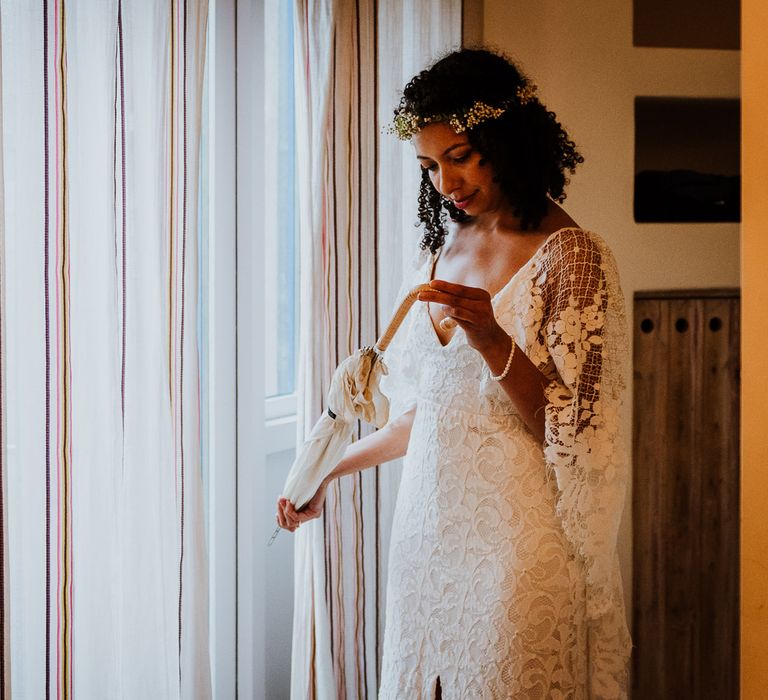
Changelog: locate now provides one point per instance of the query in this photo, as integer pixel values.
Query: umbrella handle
(277, 530)
(272, 539)
(383, 342)
(402, 311)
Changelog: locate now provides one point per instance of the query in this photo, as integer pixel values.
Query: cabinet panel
(685, 497)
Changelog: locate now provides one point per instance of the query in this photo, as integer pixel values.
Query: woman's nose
(450, 181)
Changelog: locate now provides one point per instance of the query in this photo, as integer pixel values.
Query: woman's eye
(429, 168)
(462, 158)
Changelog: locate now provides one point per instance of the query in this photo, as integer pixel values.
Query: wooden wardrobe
(686, 495)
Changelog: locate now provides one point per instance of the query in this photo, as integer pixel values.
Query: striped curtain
(343, 49)
(422, 30)
(101, 126)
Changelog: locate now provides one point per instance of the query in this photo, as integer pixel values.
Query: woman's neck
(503, 222)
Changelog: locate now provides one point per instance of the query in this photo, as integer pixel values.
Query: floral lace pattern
(503, 574)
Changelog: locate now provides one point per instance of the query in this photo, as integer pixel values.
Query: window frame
(238, 437)
(244, 427)
(220, 359)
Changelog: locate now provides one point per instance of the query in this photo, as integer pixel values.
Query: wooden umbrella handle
(405, 306)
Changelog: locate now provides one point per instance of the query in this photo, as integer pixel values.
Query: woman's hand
(472, 309)
(289, 518)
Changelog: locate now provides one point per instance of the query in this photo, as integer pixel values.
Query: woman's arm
(382, 446)
(524, 383)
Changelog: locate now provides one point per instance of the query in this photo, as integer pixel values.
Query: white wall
(580, 54)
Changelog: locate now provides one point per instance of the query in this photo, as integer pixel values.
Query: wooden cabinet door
(686, 496)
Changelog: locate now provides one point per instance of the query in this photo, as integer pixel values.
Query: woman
(503, 574)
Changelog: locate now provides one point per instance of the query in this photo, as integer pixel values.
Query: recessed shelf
(687, 24)
(687, 159)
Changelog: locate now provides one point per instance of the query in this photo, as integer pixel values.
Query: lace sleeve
(585, 332)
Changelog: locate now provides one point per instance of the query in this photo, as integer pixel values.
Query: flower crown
(406, 124)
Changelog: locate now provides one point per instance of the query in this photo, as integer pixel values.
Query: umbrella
(354, 393)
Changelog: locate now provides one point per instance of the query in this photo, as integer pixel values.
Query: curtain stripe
(181, 324)
(123, 223)
(64, 567)
(360, 626)
(358, 175)
(363, 173)
(46, 264)
(377, 598)
(171, 196)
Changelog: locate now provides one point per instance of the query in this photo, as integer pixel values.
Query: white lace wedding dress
(503, 575)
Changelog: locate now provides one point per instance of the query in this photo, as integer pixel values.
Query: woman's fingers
(289, 518)
(463, 310)
(459, 290)
(291, 515)
(469, 307)
(460, 314)
(437, 296)
(282, 521)
(459, 306)
(286, 515)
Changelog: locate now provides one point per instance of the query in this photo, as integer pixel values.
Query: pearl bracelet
(499, 377)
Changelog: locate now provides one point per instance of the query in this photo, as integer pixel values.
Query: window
(280, 221)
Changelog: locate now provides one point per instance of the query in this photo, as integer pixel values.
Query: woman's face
(457, 170)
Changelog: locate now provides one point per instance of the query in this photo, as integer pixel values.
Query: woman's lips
(463, 203)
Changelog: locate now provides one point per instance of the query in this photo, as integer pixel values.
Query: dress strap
(433, 265)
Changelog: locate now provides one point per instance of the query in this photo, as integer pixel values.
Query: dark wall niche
(687, 160)
(687, 24)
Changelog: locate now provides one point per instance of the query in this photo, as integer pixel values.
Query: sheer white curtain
(411, 36)
(101, 123)
(351, 58)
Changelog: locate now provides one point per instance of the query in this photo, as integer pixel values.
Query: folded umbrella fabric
(355, 393)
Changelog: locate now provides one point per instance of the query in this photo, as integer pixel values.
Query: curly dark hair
(527, 147)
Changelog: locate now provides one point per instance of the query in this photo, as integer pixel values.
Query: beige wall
(581, 56)
(754, 464)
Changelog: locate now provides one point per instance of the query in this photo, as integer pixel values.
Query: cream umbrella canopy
(355, 393)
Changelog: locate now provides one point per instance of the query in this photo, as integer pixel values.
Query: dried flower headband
(406, 123)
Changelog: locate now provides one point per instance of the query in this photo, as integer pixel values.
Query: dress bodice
(455, 375)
